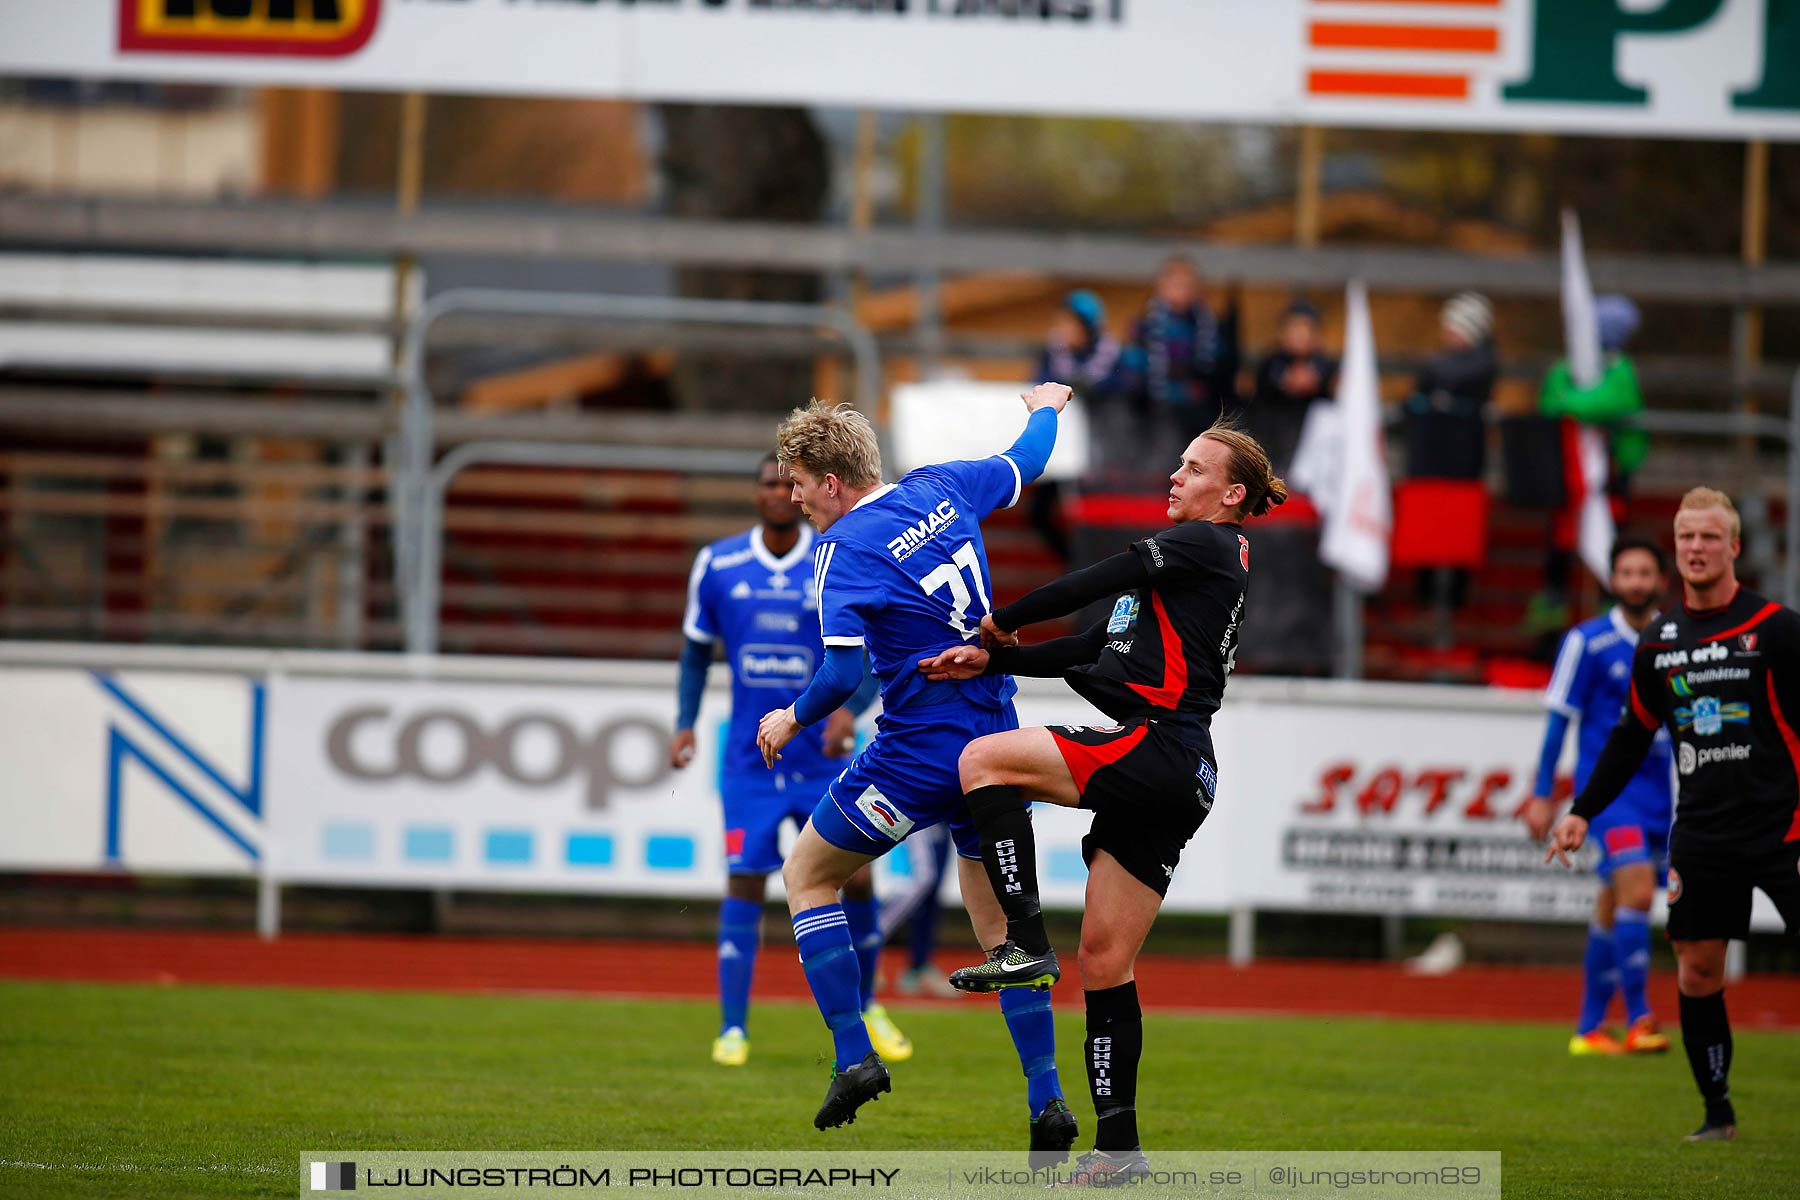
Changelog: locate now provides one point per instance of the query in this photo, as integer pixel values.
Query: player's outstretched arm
(1121, 573)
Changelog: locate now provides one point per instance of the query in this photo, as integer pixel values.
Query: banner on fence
(1706, 68)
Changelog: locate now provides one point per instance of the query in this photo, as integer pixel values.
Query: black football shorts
(1709, 895)
(1148, 790)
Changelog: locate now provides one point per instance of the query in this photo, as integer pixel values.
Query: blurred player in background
(902, 572)
(1592, 685)
(755, 593)
(1722, 675)
(1157, 665)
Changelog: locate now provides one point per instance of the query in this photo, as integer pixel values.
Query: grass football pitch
(109, 1090)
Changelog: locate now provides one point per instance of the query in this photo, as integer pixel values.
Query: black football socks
(1009, 852)
(1115, 1042)
(1706, 1036)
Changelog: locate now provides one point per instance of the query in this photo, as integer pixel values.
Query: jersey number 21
(950, 575)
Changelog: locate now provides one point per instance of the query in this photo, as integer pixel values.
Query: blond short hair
(831, 439)
(1248, 464)
(1705, 497)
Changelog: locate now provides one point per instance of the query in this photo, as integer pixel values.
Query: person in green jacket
(1609, 403)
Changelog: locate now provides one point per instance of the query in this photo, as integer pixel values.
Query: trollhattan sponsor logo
(277, 28)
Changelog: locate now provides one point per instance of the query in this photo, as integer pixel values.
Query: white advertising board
(472, 784)
(158, 772)
(1402, 801)
(537, 776)
(1698, 68)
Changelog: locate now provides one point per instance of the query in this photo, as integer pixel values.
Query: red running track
(645, 968)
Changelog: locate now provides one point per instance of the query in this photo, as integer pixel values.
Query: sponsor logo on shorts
(1119, 647)
(1674, 885)
(888, 820)
(1123, 614)
(1208, 776)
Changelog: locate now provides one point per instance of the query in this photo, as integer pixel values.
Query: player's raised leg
(813, 874)
(1001, 774)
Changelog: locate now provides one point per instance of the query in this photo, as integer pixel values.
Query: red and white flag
(1359, 509)
(1581, 333)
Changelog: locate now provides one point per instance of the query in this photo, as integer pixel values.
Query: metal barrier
(422, 634)
(415, 576)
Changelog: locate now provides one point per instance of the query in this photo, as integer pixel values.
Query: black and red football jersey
(1171, 643)
(1725, 682)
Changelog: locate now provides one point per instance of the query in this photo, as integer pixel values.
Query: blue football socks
(1599, 975)
(739, 922)
(829, 961)
(1631, 950)
(865, 934)
(1033, 1032)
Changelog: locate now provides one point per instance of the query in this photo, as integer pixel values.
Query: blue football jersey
(764, 610)
(1592, 685)
(905, 575)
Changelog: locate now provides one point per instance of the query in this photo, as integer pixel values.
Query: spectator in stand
(1446, 415)
(1289, 380)
(1608, 404)
(1182, 360)
(1080, 352)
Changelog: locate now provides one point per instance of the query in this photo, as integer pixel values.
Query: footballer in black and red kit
(1722, 674)
(1157, 666)
(1725, 682)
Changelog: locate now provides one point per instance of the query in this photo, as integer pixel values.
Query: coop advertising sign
(369, 770)
(1695, 68)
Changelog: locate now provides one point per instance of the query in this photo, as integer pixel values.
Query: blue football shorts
(906, 780)
(756, 803)
(1627, 840)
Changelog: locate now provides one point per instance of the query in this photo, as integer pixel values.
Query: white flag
(1581, 332)
(1359, 516)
